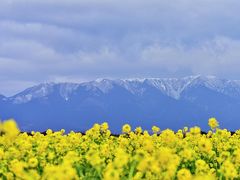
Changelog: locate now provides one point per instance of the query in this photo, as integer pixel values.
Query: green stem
(130, 176)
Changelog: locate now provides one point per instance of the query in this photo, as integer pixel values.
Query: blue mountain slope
(168, 103)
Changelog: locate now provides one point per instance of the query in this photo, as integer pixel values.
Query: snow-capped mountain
(167, 102)
(43, 91)
(172, 87)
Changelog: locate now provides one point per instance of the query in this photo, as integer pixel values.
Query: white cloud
(219, 56)
(45, 40)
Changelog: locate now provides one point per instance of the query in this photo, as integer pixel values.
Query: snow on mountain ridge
(37, 91)
(224, 86)
(43, 90)
(66, 89)
(172, 87)
(103, 84)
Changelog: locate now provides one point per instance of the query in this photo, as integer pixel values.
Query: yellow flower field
(135, 154)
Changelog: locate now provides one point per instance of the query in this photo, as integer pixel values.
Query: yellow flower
(137, 155)
(104, 126)
(145, 164)
(33, 162)
(1, 154)
(121, 158)
(49, 131)
(126, 128)
(228, 170)
(205, 145)
(111, 174)
(9, 128)
(155, 129)
(9, 175)
(195, 130)
(213, 123)
(184, 174)
(185, 129)
(138, 130)
(187, 154)
(93, 157)
(51, 156)
(138, 176)
(202, 167)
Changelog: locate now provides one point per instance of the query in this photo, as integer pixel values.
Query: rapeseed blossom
(184, 154)
(184, 174)
(126, 128)
(155, 129)
(212, 122)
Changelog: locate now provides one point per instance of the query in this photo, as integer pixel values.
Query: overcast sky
(80, 40)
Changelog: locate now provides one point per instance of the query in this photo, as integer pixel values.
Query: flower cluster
(135, 154)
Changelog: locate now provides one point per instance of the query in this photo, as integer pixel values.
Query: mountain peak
(37, 91)
(163, 101)
(43, 90)
(172, 87)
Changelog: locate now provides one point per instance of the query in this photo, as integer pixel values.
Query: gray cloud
(77, 40)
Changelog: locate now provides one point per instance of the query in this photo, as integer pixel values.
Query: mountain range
(165, 102)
